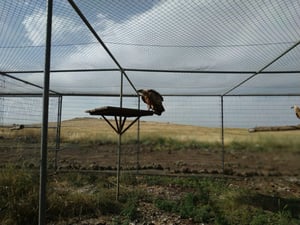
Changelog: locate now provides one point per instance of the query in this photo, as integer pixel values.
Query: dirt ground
(266, 172)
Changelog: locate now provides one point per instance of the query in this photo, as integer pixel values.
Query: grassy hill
(89, 130)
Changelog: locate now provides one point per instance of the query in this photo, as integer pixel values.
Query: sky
(198, 35)
(239, 112)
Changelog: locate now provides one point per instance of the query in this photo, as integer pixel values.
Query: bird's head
(294, 107)
(141, 92)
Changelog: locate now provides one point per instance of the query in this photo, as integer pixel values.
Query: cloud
(180, 35)
(173, 35)
(63, 27)
(84, 57)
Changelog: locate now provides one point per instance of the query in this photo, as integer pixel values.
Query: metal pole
(44, 134)
(119, 140)
(222, 134)
(121, 90)
(58, 129)
(138, 140)
(118, 166)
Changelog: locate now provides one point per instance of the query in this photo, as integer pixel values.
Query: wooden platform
(117, 111)
(120, 114)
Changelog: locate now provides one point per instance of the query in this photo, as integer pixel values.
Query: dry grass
(95, 131)
(89, 129)
(93, 128)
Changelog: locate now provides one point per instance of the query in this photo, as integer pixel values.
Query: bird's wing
(155, 94)
(297, 111)
(144, 99)
(156, 101)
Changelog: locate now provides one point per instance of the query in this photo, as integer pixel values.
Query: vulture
(153, 100)
(297, 110)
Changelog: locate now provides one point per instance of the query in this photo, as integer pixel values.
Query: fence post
(44, 134)
(222, 134)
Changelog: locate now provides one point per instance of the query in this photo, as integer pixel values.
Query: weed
(212, 201)
(130, 207)
(260, 218)
(18, 197)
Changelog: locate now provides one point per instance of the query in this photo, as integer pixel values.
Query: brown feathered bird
(153, 100)
(297, 110)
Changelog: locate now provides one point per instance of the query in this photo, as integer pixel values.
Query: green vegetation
(214, 202)
(74, 195)
(68, 196)
(19, 199)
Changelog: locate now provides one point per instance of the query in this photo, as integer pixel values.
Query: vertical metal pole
(119, 141)
(44, 134)
(138, 140)
(118, 166)
(121, 89)
(2, 110)
(222, 134)
(58, 129)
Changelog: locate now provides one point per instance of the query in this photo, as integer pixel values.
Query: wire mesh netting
(225, 69)
(222, 43)
(217, 63)
(192, 135)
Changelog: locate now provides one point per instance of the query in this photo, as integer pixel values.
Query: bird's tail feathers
(157, 113)
(159, 110)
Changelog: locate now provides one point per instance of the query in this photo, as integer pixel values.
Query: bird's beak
(292, 107)
(140, 92)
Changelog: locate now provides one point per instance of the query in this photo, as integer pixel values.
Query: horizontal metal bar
(133, 95)
(64, 71)
(187, 71)
(25, 82)
(26, 95)
(155, 71)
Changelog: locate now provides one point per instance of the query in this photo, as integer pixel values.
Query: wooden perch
(116, 111)
(274, 128)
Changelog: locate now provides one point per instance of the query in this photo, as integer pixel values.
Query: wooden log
(274, 128)
(17, 127)
(22, 126)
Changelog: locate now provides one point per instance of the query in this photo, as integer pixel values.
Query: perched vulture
(297, 110)
(153, 100)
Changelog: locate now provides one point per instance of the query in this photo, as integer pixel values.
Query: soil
(269, 173)
(266, 171)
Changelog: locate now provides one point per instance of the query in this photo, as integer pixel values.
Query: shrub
(166, 205)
